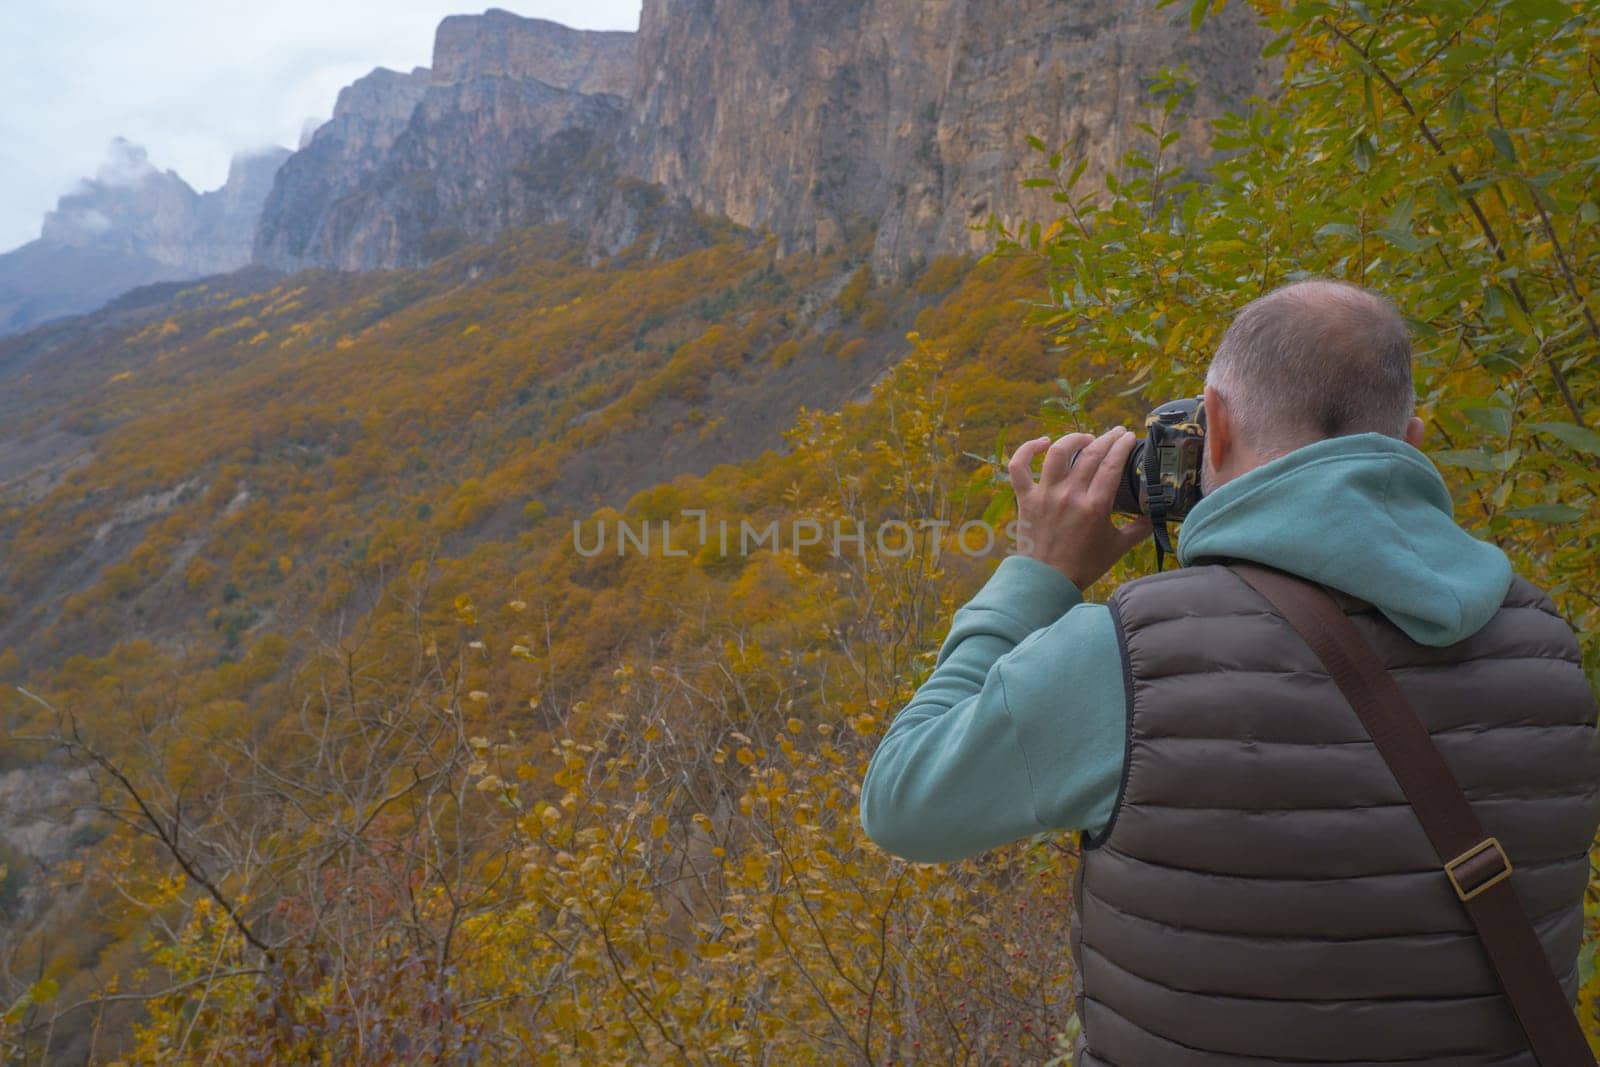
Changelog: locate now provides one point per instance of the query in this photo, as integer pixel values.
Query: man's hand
(1064, 519)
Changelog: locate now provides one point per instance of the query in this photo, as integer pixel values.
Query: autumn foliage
(387, 771)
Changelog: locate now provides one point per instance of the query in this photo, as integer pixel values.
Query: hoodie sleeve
(1020, 728)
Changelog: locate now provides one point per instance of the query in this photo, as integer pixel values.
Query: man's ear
(1413, 434)
(1219, 429)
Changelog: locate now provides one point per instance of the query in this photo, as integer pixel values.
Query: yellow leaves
(711, 950)
(720, 918)
(41, 992)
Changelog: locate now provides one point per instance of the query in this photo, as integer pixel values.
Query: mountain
(903, 120)
(367, 118)
(516, 124)
(478, 157)
(131, 225)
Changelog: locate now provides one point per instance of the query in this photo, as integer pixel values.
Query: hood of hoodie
(1365, 514)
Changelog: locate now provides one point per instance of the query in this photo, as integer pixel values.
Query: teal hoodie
(1020, 727)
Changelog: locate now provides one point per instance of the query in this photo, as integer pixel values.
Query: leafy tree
(1444, 152)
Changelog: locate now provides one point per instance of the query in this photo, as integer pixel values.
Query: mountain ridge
(899, 121)
(904, 120)
(131, 225)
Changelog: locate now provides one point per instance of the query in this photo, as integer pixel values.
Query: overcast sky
(195, 81)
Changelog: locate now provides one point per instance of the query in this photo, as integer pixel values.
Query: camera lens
(1129, 500)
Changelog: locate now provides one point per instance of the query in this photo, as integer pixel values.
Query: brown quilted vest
(1263, 893)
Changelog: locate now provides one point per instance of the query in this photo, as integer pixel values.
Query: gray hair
(1315, 359)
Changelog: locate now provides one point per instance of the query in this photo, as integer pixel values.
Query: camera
(1162, 476)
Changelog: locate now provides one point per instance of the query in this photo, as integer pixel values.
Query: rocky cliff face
(823, 120)
(478, 157)
(516, 124)
(130, 225)
(906, 118)
(342, 153)
(500, 44)
(225, 219)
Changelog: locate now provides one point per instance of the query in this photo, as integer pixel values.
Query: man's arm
(1020, 727)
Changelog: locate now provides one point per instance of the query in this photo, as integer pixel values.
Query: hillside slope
(225, 451)
(272, 469)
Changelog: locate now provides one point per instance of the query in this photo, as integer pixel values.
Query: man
(1254, 887)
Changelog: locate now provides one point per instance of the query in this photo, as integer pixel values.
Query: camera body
(1162, 476)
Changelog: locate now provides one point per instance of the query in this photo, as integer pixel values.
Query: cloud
(86, 220)
(126, 164)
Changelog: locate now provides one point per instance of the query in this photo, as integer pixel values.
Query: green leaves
(1443, 153)
(1490, 417)
(1540, 10)
(1502, 145)
(1547, 513)
(1478, 459)
(1577, 437)
(1362, 152)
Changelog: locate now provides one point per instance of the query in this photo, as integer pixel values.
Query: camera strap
(1156, 495)
(1476, 864)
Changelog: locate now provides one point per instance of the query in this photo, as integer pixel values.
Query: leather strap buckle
(1477, 868)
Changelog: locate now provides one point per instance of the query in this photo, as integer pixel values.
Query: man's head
(1311, 360)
